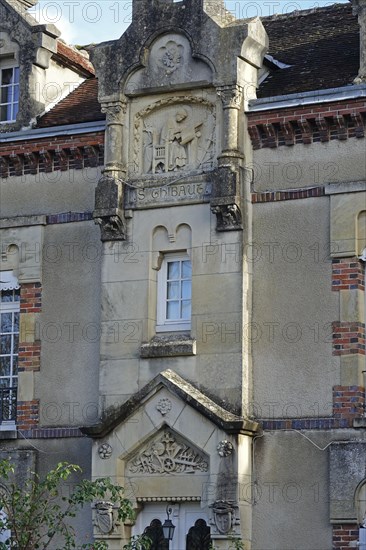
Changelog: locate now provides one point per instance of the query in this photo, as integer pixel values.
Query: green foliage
(38, 511)
(142, 542)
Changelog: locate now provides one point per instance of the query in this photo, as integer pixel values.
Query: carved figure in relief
(177, 147)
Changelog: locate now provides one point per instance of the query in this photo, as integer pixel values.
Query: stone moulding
(226, 420)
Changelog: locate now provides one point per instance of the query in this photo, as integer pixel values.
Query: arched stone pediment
(169, 62)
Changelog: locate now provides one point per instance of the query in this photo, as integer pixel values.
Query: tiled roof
(79, 106)
(71, 57)
(321, 45)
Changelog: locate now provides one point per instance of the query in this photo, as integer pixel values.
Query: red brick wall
(29, 357)
(348, 274)
(348, 402)
(343, 535)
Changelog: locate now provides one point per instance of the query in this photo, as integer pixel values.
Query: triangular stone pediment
(180, 389)
(166, 453)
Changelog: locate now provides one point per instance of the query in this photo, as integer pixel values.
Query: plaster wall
(69, 325)
(49, 86)
(290, 495)
(309, 165)
(48, 193)
(293, 310)
(129, 306)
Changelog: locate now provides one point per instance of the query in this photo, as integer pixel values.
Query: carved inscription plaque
(165, 195)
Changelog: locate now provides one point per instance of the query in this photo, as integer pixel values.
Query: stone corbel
(108, 213)
(225, 202)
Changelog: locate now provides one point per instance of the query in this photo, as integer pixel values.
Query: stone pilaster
(108, 213)
(115, 112)
(232, 98)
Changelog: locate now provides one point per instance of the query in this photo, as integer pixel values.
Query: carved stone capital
(231, 96)
(115, 111)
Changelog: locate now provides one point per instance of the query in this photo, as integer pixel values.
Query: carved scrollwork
(231, 96)
(166, 455)
(228, 217)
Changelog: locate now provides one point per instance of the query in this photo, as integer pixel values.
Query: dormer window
(9, 91)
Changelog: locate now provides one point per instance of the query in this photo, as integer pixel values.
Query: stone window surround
(165, 324)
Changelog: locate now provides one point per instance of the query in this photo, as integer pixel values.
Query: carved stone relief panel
(167, 454)
(169, 62)
(175, 135)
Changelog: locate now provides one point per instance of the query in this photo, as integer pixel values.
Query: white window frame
(165, 324)
(14, 99)
(9, 283)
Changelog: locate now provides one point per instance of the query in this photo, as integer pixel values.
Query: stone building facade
(183, 269)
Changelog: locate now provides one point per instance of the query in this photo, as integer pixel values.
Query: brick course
(348, 274)
(343, 534)
(349, 338)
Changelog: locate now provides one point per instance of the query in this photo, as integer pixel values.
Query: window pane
(16, 75)
(6, 93)
(17, 295)
(4, 112)
(5, 345)
(4, 382)
(173, 291)
(186, 290)
(15, 369)
(15, 343)
(4, 366)
(186, 309)
(172, 310)
(186, 270)
(16, 322)
(7, 296)
(6, 322)
(7, 76)
(173, 270)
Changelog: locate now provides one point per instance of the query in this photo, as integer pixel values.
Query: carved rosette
(105, 451)
(224, 518)
(228, 217)
(231, 96)
(167, 455)
(225, 448)
(164, 406)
